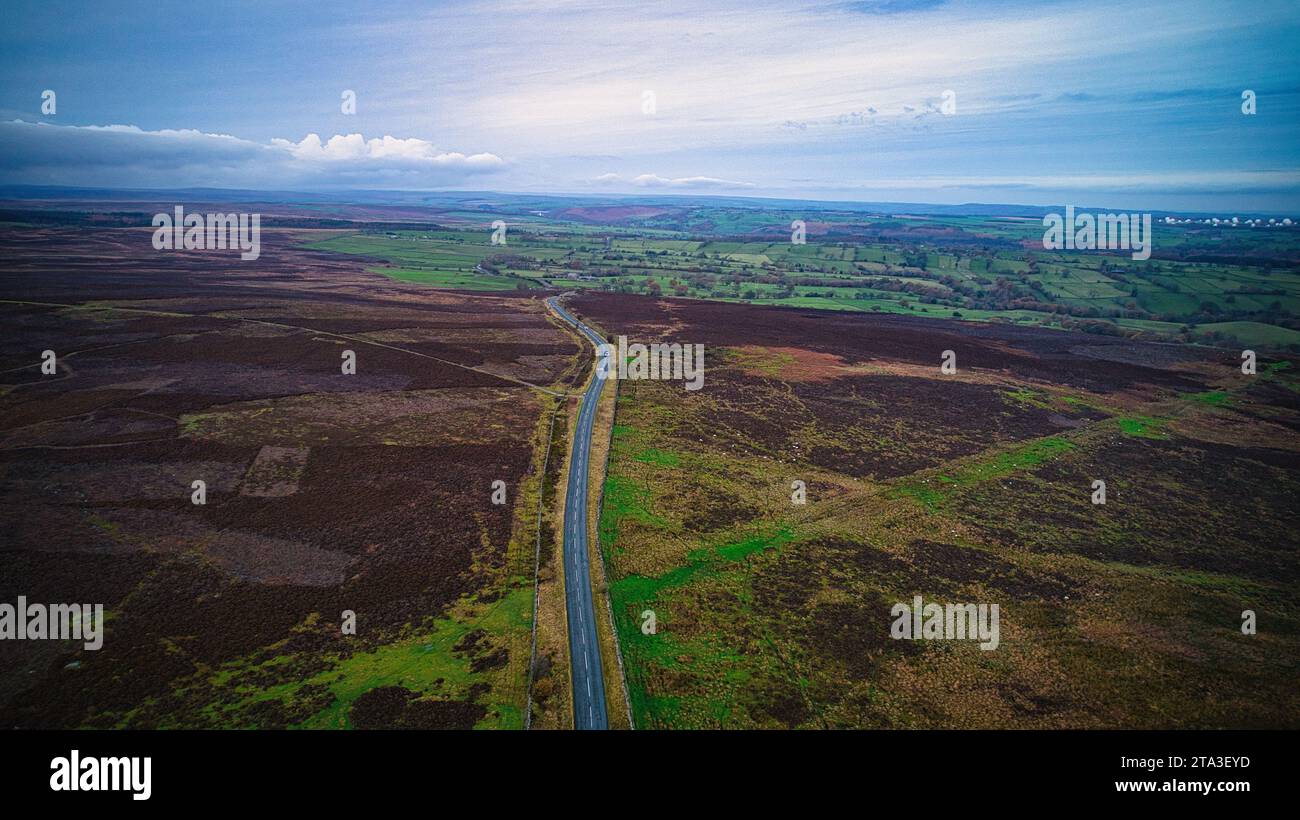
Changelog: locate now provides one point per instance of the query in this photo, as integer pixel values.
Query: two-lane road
(584, 648)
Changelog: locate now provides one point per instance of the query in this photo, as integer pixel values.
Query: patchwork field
(1205, 283)
(974, 487)
(325, 493)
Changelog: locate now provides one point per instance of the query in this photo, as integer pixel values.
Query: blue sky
(1118, 104)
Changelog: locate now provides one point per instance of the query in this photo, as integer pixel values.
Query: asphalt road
(584, 649)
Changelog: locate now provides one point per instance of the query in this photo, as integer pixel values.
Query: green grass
(1021, 457)
(1223, 303)
(753, 544)
(634, 594)
(453, 280)
(1030, 398)
(421, 660)
(1143, 426)
(625, 498)
(1213, 398)
(660, 457)
(1255, 333)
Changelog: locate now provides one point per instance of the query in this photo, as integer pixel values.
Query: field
(326, 493)
(827, 470)
(1211, 284)
(970, 487)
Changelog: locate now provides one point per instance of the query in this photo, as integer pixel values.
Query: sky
(1117, 104)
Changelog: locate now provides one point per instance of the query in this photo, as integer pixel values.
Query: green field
(964, 267)
(441, 260)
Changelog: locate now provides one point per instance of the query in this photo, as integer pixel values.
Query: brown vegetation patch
(405, 418)
(389, 516)
(790, 364)
(1022, 352)
(275, 472)
(395, 707)
(967, 566)
(1246, 502)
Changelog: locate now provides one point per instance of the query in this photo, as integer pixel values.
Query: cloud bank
(125, 155)
(656, 181)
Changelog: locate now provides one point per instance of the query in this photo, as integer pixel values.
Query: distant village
(1258, 222)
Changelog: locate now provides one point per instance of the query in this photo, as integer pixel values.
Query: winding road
(584, 647)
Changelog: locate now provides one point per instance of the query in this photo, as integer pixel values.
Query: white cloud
(356, 148)
(128, 156)
(656, 181)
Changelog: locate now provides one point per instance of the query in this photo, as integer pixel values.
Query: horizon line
(821, 204)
